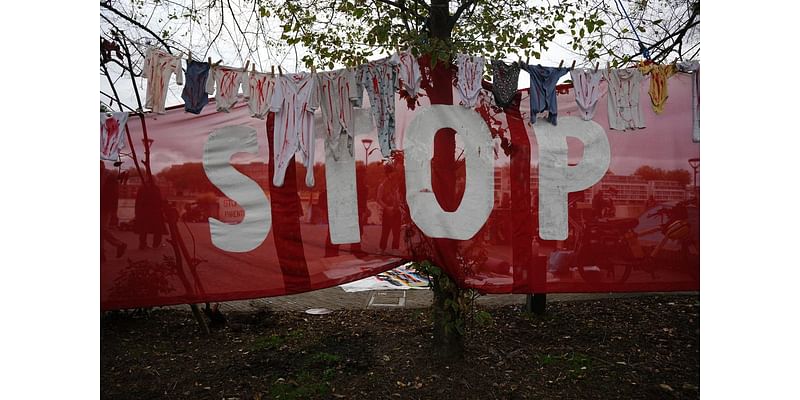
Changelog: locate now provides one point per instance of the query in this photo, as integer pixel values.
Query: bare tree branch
(107, 6)
(460, 10)
(221, 23)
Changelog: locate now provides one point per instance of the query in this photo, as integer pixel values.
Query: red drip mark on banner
(564, 88)
(524, 271)
(286, 212)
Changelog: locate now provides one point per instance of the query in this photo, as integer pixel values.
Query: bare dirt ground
(628, 348)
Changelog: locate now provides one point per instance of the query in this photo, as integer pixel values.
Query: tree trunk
(448, 342)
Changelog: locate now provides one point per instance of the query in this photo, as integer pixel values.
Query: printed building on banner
(631, 189)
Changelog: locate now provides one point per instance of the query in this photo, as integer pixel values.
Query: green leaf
(483, 318)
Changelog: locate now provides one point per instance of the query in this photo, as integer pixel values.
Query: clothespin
(527, 60)
(273, 70)
(216, 64)
(280, 70)
(596, 66)
(573, 65)
(246, 64)
(190, 55)
(209, 61)
(313, 69)
(253, 68)
(608, 64)
(561, 64)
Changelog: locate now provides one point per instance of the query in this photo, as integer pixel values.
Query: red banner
(503, 206)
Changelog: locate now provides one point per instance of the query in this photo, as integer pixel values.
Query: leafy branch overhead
(326, 33)
(348, 32)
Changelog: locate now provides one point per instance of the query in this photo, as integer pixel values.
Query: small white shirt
(293, 102)
(111, 138)
(158, 68)
(259, 88)
(624, 111)
(227, 81)
(470, 75)
(338, 91)
(409, 72)
(586, 83)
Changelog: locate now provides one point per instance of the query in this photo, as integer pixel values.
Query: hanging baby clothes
(260, 88)
(624, 111)
(293, 102)
(227, 80)
(338, 91)
(504, 82)
(158, 68)
(658, 83)
(693, 67)
(543, 90)
(409, 73)
(470, 75)
(194, 93)
(111, 127)
(379, 78)
(587, 91)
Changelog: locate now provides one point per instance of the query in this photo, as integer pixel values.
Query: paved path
(335, 298)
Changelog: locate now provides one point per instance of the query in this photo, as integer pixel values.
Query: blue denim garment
(194, 92)
(543, 90)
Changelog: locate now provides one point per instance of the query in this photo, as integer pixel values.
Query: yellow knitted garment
(658, 83)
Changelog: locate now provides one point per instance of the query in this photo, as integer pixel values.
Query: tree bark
(448, 342)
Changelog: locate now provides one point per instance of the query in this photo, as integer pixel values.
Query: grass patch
(275, 341)
(307, 385)
(546, 359)
(326, 358)
(267, 342)
(574, 361)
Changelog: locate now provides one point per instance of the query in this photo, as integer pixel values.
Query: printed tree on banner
(119, 43)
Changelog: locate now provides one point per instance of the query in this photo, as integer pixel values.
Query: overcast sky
(231, 49)
(653, 145)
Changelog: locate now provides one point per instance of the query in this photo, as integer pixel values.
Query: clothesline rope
(642, 49)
